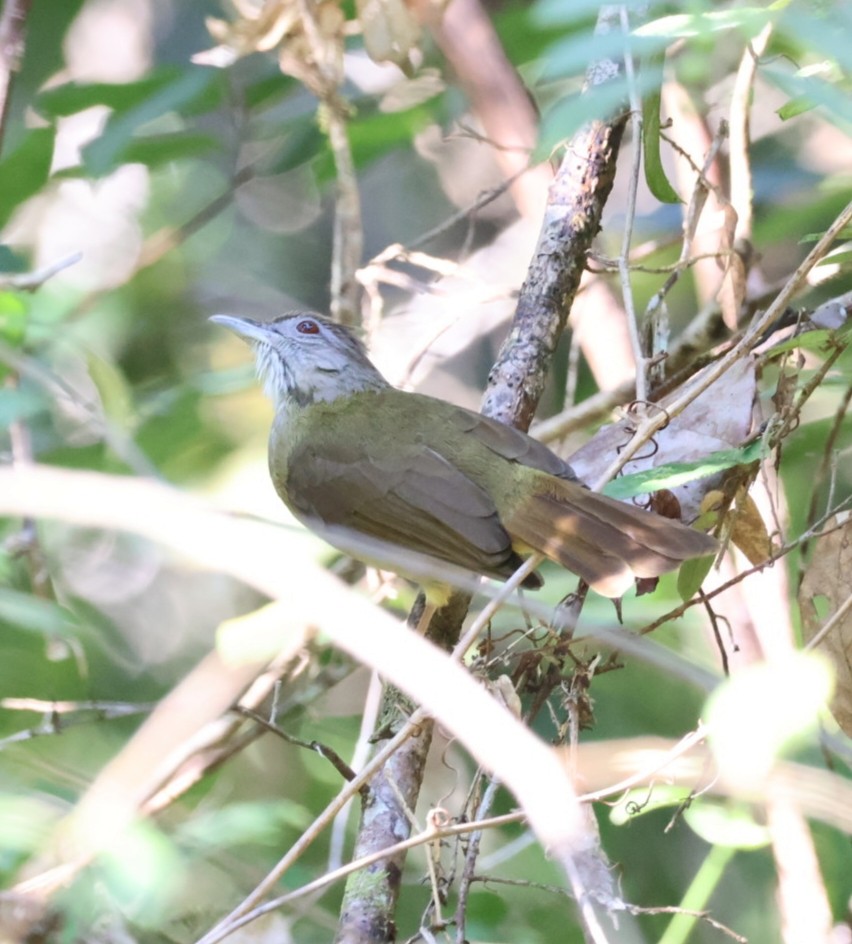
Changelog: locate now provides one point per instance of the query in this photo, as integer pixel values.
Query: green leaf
(726, 824)
(11, 262)
(154, 150)
(819, 340)
(24, 611)
(113, 390)
(25, 171)
(249, 822)
(672, 474)
(655, 176)
(836, 258)
(168, 84)
(691, 575)
(845, 233)
(833, 101)
(13, 318)
(268, 89)
(120, 137)
(303, 140)
(374, 135)
(794, 108)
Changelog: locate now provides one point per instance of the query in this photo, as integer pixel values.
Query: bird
(347, 450)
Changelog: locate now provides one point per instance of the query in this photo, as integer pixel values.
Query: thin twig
(468, 872)
(777, 555)
(692, 217)
(348, 245)
(751, 337)
(317, 747)
(838, 616)
(640, 351)
(30, 281)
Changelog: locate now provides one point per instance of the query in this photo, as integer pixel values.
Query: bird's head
(303, 358)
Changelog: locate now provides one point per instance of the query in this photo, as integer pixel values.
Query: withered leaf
(826, 581)
(748, 532)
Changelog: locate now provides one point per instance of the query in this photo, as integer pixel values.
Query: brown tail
(606, 542)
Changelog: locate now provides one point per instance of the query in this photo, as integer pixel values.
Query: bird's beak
(244, 327)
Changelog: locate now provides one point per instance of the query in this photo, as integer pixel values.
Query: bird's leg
(567, 611)
(424, 617)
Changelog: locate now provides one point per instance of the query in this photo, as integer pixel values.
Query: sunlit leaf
(676, 473)
(820, 341)
(794, 108)
(836, 258)
(14, 314)
(753, 719)
(726, 824)
(142, 870)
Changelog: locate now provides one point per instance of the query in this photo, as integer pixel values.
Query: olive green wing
(510, 443)
(414, 498)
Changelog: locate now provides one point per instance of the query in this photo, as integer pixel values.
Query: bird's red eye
(307, 327)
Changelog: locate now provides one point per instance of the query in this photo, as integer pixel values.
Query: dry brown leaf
(310, 38)
(733, 289)
(665, 503)
(410, 92)
(310, 45)
(255, 28)
(390, 31)
(748, 532)
(720, 418)
(827, 579)
(314, 54)
(504, 691)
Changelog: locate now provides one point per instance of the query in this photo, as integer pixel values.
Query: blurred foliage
(189, 190)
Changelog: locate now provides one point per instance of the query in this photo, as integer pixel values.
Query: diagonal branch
(13, 24)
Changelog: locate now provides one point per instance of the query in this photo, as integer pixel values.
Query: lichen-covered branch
(13, 23)
(576, 199)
